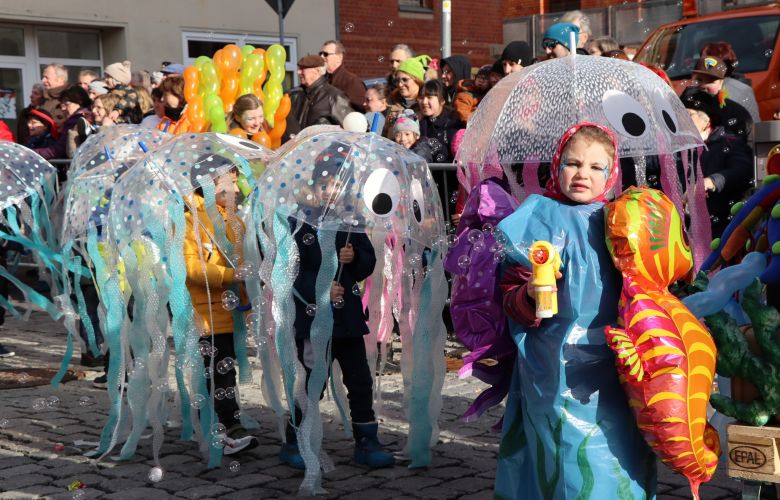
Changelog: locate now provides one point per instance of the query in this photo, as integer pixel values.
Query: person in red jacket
(5, 132)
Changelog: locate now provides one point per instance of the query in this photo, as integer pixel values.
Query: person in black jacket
(317, 102)
(727, 163)
(438, 121)
(356, 262)
(454, 69)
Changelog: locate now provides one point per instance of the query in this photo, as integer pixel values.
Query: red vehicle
(752, 33)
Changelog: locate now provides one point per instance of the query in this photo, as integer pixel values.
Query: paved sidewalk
(38, 458)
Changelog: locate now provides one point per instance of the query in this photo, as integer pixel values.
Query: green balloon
(247, 49)
(217, 118)
(211, 101)
(200, 61)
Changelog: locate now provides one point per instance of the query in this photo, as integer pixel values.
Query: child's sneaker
(233, 446)
(290, 455)
(241, 438)
(101, 382)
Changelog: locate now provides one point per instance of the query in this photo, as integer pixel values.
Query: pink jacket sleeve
(517, 304)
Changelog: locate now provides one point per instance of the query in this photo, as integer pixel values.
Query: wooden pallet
(754, 453)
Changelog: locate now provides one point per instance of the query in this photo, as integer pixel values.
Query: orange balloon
(191, 82)
(238, 131)
(280, 121)
(229, 91)
(262, 138)
(218, 59)
(232, 58)
(195, 109)
(199, 125)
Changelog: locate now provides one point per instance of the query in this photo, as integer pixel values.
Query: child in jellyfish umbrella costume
(567, 420)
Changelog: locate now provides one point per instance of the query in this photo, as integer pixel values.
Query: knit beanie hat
(560, 33)
(407, 122)
(119, 71)
(518, 52)
(98, 87)
(415, 66)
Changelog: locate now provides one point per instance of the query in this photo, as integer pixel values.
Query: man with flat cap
(317, 102)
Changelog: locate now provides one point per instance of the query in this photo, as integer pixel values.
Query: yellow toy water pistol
(546, 265)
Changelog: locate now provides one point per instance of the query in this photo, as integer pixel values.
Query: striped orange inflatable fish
(665, 356)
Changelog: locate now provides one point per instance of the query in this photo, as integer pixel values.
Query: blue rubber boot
(289, 453)
(368, 449)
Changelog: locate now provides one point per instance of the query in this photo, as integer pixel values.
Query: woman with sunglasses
(410, 77)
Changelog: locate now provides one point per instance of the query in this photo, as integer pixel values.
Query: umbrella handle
(341, 266)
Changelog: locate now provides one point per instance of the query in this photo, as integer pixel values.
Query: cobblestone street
(40, 455)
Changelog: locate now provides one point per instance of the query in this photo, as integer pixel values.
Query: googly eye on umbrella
(172, 243)
(327, 189)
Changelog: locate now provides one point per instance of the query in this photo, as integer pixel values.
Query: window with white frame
(26, 49)
(197, 44)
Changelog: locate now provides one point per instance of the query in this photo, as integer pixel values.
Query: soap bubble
(155, 474)
(235, 466)
(464, 261)
(499, 257)
(78, 494)
(229, 300)
(380, 59)
(464, 42)
(24, 377)
(3, 423)
(39, 404)
(356, 290)
(237, 415)
(501, 238)
(768, 53)
(218, 428)
(252, 321)
(488, 228)
(496, 247)
(478, 246)
(208, 371)
(349, 27)
(219, 394)
(338, 303)
(218, 441)
(475, 235)
(198, 401)
(225, 365)
(230, 393)
(244, 270)
(311, 310)
(84, 401)
(58, 447)
(52, 402)
(452, 240)
(308, 239)
(390, 23)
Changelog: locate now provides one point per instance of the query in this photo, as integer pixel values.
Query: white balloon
(355, 122)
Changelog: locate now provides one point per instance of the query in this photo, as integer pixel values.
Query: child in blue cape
(568, 430)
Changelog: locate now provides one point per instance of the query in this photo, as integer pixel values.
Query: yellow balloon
(275, 57)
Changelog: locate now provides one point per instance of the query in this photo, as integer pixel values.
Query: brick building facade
(369, 30)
